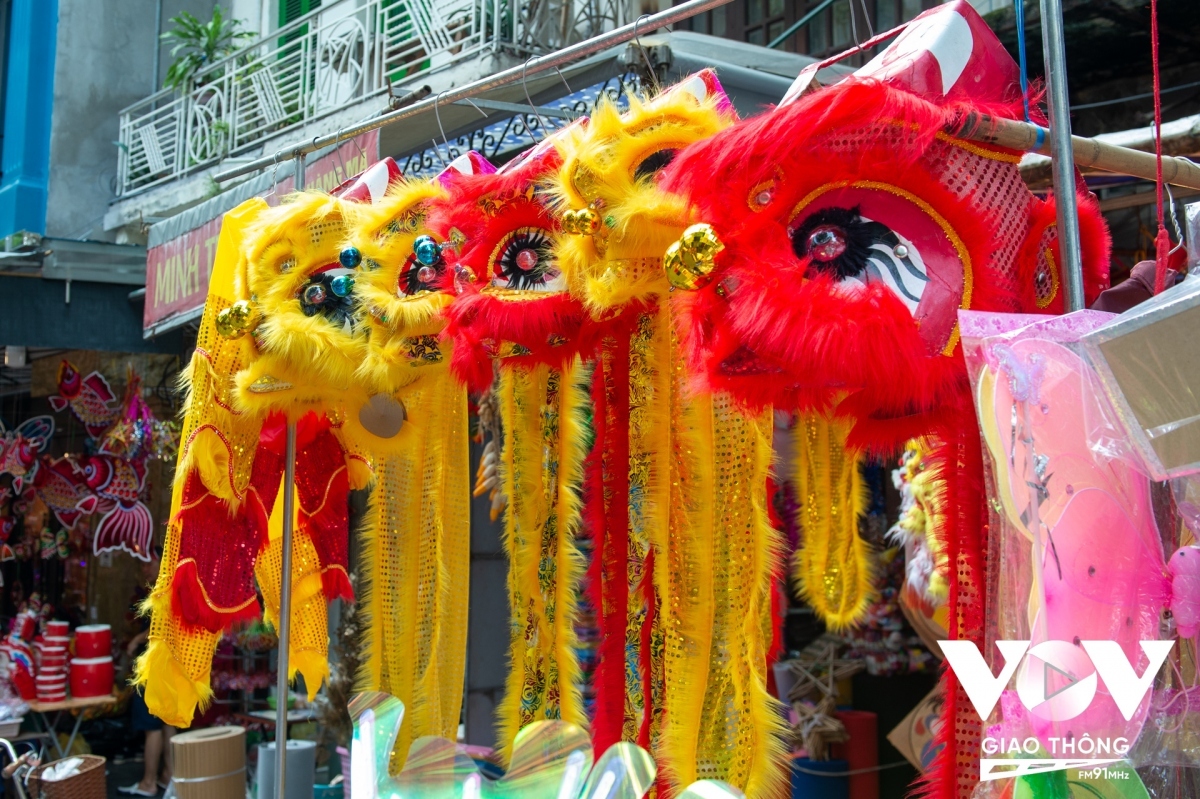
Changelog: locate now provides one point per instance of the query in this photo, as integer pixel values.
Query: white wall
(259, 16)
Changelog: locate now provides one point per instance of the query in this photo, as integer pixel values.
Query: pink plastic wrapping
(1077, 547)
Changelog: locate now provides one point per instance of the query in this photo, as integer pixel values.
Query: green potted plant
(199, 44)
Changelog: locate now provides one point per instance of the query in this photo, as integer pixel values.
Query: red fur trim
(1095, 247)
(1096, 244)
(335, 584)
(484, 210)
(475, 319)
(957, 458)
(1042, 217)
(612, 400)
(191, 604)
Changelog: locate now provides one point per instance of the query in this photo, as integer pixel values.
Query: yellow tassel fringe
(542, 463)
(833, 565)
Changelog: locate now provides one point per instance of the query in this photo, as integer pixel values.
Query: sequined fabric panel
(416, 565)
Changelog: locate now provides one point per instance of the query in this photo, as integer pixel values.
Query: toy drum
(58, 629)
(52, 654)
(93, 641)
(51, 687)
(91, 676)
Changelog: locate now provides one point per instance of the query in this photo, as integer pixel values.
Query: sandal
(136, 790)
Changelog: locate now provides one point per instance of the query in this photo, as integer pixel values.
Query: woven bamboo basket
(89, 783)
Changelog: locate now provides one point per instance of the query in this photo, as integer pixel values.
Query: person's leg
(153, 751)
(143, 721)
(168, 768)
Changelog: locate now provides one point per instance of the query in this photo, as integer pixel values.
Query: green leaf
(198, 44)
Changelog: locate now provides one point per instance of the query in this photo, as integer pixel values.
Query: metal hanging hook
(528, 99)
(867, 18)
(645, 55)
(344, 173)
(564, 80)
(437, 112)
(274, 174)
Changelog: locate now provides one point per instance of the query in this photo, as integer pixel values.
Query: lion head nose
(690, 261)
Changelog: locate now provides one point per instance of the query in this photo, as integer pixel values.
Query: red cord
(1162, 241)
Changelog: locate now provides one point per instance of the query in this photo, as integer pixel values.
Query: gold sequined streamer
(416, 564)
(542, 463)
(716, 581)
(833, 566)
(649, 459)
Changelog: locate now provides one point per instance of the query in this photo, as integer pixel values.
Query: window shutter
(293, 9)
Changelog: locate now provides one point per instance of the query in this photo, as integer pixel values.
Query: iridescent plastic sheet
(550, 760)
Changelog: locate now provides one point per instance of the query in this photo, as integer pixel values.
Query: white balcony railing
(327, 60)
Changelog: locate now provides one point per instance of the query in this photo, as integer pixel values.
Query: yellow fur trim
(833, 564)
(384, 234)
(542, 463)
(639, 221)
(924, 517)
(170, 692)
(415, 567)
(310, 353)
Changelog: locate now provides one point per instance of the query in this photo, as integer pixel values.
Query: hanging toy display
(20, 449)
(61, 483)
(519, 321)
(416, 538)
(126, 523)
(89, 398)
(865, 225)
(686, 576)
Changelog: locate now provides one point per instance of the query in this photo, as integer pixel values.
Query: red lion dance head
(853, 224)
(837, 237)
(505, 231)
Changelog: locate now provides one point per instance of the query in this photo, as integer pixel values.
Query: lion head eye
(848, 246)
(654, 163)
(525, 260)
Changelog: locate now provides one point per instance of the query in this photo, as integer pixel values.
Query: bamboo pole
(1089, 153)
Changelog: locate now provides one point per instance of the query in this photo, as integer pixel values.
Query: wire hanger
(528, 99)
(645, 55)
(274, 175)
